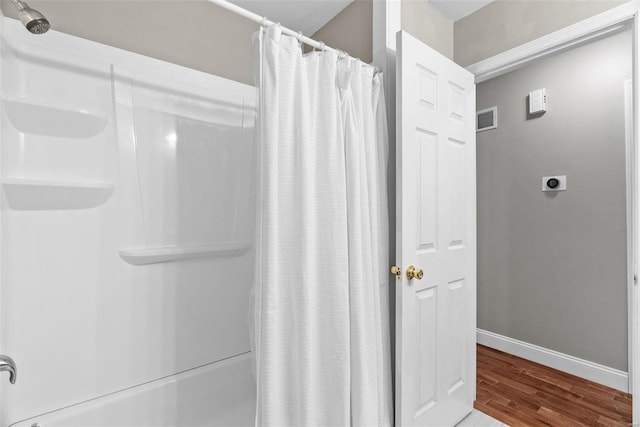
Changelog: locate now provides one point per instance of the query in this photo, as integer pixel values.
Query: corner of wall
(351, 30)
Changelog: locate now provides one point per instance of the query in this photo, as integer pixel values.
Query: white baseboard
(591, 371)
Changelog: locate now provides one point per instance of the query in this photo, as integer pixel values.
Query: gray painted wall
(585, 295)
(200, 35)
(351, 30)
(552, 266)
(192, 33)
(428, 24)
(505, 24)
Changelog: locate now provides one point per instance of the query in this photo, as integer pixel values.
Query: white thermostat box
(538, 101)
(554, 183)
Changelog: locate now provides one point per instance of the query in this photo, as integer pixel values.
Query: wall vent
(487, 119)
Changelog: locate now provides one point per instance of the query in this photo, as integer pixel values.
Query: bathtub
(219, 394)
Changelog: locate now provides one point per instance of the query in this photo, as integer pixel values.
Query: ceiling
(307, 16)
(458, 9)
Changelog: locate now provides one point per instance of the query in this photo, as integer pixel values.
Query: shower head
(35, 22)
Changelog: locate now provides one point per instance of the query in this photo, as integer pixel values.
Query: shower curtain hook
(322, 46)
(299, 37)
(263, 22)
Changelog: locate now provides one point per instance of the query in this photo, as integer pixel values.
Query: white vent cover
(487, 119)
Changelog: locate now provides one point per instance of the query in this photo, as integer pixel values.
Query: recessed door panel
(427, 320)
(428, 213)
(456, 194)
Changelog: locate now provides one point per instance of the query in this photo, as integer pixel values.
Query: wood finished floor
(523, 393)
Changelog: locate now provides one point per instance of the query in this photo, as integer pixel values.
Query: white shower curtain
(322, 345)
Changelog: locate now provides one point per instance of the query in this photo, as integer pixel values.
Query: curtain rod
(265, 22)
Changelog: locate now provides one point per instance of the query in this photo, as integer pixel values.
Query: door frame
(616, 19)
(387, 22)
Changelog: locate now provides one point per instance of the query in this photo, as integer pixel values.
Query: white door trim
(627, 14)
(386, 23)
(634, 312)
(632, 207)
(581, 32)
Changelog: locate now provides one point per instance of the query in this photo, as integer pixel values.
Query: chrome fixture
(7, 364)
(35, 22)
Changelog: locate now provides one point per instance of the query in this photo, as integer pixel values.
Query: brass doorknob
(414, 273)
(396, 271)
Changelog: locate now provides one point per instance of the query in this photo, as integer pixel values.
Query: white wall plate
(548, 183)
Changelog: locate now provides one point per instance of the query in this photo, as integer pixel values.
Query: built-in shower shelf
(40, 119)
(40, 194)
(158, 254)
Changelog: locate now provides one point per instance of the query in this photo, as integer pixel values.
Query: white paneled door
(436, 235)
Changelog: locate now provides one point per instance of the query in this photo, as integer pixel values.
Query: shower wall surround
(126, 231)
